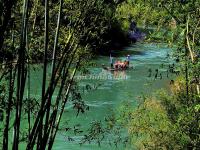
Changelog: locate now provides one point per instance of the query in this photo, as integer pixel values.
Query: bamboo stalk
(188, 41)
(52, 138)
(28, 84)
(189, 47)
(21, 77)
(49, 93)
(46, 42)
(34, 21)
(56, 38)
(8, 110)
(54, 113)
(42, 110)
(53, 69)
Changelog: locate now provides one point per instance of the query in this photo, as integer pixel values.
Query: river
(115, 88)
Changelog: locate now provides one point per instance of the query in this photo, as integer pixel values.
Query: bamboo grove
(59, 34)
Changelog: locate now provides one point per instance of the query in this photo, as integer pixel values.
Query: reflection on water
(120, 74)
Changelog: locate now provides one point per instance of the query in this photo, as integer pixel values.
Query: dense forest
(63, 37)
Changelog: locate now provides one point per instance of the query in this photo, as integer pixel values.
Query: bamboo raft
(117, 69)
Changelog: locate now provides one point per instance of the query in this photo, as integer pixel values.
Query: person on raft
(111, 61)
(128, 59)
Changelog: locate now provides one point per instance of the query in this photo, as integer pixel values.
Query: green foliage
(90, 21)
(153, 129)
(165, 121)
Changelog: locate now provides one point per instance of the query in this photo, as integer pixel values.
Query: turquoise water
(113, 89)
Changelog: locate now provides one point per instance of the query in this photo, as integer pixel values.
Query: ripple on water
(99, 104)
